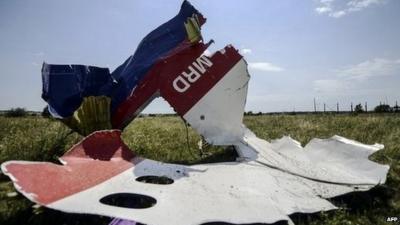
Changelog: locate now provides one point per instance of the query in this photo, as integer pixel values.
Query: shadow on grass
(227, 155)
(366, 204)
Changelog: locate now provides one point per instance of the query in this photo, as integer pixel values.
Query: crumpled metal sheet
(335, 160)
(218, 116)
(101, 176)
(66, 86)
(336, 165)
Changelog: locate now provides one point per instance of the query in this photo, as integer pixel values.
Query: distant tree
(46, 112)
(249, 113)
(396, 108)
(382, 108)
(358, 108)
(16, 112)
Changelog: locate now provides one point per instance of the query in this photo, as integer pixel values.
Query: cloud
(358, 78)
(338, 14)
(246, 51)
(265, 66)
(357, 5)
(371, 68)
(323, 9)
(334, 9)
(330, 86)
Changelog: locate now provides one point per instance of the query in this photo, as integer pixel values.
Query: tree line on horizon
(22, 112)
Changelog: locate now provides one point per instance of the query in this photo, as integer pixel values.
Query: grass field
(165, 139)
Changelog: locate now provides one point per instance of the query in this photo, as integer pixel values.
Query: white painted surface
(336, 160)
(228, 192)
(218, 115)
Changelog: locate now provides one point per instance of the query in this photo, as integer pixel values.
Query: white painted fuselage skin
(218, 115)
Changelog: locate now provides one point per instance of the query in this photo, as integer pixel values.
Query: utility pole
(351, 106)
(366, 107)
(315, 106)
(337, 107)
(324, 108)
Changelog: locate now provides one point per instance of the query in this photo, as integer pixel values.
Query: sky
(336, 51)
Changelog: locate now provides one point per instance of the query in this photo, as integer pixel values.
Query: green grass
(166, 139)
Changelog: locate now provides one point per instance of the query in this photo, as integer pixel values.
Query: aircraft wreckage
(101, 175)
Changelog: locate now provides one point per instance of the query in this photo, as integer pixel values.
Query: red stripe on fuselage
(150, 84)
(161, 77)
(96, 159)
(182, 102)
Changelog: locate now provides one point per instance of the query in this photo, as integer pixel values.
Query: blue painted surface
(65, 86)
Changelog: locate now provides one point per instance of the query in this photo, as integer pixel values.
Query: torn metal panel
(164, 77)
(138, 189)
(66, 86)
(231, 192)
(185, 78)
(96, 159)
(218, 115)
(334, 160)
